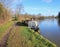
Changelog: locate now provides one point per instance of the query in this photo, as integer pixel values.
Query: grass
(22, 36)
(33, 39)
(3, 28)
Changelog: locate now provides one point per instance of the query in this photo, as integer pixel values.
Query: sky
(44, 7)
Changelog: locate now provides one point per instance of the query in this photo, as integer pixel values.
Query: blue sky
(45, 7)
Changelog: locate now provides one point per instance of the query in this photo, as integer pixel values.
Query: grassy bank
(22, 36)
(3, 28)
(33, 39)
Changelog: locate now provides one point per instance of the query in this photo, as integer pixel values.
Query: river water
(50, 29)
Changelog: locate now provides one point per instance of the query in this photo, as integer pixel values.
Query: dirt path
(3, 42)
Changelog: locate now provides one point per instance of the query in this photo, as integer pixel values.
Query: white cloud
(17, 0)
(47, 1)
(32, 8)
(48, 10)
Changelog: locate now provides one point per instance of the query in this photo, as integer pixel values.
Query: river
(50, 29)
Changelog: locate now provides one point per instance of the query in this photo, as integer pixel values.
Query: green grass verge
(4, 28)
(22, 36)
(33, 39)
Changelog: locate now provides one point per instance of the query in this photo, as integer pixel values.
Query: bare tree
(19, 10)
(4, 13)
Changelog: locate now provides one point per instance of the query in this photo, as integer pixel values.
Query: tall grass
(3, 28)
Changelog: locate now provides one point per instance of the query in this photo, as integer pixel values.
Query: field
(22, 36)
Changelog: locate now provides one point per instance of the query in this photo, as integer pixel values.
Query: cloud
(48, 10)
(47, 1)
(17, 1)
(6, 2)
(32, 8)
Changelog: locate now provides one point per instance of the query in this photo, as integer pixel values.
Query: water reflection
(59, 22)
(50, 28)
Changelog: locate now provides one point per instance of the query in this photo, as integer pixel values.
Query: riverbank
(22, 36)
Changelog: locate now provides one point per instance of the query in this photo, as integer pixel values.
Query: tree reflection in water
(59, 21)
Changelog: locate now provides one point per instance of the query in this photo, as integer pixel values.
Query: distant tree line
(59, 15)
